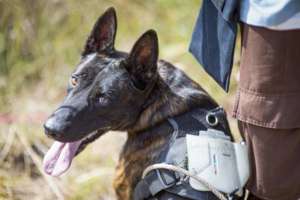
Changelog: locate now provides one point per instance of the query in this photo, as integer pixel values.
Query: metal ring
(212, 119)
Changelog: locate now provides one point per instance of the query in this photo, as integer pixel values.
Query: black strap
(155, 182)
(142, 191)
(194, 121)
(186, 191)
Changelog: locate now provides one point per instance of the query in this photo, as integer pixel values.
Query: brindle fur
(127, 92)
(175, 93)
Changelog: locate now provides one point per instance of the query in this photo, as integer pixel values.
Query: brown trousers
(268, 110)
(275, 161)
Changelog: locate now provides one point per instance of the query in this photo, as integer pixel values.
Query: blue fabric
(268, 13)
(213, 39)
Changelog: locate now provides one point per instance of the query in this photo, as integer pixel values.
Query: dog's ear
(142, 60)
(103, 35)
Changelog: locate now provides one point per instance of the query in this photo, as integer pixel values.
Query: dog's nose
(58, 123)
(52, 129)
(50, 133)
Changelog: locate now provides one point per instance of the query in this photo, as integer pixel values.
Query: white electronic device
(217, 160)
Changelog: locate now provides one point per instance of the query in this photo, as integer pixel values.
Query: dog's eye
(74, 81)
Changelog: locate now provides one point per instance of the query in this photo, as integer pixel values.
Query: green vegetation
(40, 44)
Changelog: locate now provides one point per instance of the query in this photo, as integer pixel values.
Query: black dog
(113, 90)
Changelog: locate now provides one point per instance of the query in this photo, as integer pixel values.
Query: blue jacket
(214, 36)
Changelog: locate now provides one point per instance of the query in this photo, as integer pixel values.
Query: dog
(113, 90)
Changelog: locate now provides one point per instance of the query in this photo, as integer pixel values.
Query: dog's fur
(133, 92)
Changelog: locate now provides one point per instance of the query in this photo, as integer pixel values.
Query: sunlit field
(40, 44)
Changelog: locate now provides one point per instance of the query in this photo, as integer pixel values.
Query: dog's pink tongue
(59, 157)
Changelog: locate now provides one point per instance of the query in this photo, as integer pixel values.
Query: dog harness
(200, 163)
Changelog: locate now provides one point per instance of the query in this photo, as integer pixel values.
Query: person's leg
(274, 162)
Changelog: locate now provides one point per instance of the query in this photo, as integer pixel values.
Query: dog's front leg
(121, 183)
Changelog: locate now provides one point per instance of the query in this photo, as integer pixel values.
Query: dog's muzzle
(58, 123)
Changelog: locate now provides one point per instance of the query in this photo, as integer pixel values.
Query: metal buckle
(212, 119)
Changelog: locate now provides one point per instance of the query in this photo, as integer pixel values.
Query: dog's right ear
(103, 35)
(142, 60)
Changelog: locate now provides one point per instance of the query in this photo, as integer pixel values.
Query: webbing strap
(153, 183)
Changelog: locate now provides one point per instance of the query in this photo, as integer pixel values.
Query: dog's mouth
(59, 157)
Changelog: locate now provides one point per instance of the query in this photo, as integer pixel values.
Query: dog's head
(107, 91)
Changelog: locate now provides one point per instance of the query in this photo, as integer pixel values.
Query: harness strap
(197, 120)
(161, 166)
(154, 182)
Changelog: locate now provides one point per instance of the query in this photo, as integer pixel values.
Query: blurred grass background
(40, 44)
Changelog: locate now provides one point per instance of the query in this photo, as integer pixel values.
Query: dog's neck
(141, 149)
(173, 94)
